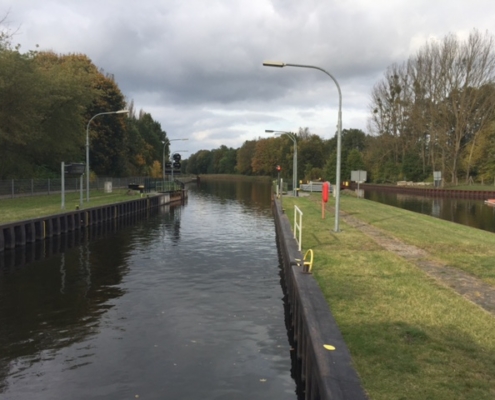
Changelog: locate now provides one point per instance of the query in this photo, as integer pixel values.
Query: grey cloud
(196, 65)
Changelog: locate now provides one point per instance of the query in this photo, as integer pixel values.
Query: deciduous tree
(436, 104)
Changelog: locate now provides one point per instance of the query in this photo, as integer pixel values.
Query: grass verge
(234, 177)
(409, 337)
(476, 186)
(471, 250)
(473, 187)
(23, 208)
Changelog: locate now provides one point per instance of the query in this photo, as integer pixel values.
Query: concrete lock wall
(325, 374)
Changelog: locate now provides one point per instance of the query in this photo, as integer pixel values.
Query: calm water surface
(470, 212)
(185, 304)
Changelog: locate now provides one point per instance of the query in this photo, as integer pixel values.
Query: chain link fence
(13, 188)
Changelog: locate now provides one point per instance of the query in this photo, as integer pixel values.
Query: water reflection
(53, 293)
(470, 212)
(254, 196)
(185, 304)
(11, 259)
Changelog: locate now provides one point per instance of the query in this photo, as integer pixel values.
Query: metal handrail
(298, 225)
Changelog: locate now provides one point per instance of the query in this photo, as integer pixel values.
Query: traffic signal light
(278, 168)
(176, 163)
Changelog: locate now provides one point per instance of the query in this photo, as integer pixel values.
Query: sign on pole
(74, 169)
(437, 178)
(359, 177)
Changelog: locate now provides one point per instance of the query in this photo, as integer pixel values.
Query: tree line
(436, 112)
(259, 157)
(433, 112)
(46, 101)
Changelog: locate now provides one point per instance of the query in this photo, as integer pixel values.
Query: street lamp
(163, 159)
(87, 145)
(339, 130)
(165, 142)
(292, 136)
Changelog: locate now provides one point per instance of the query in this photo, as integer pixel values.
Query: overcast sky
(196, 65)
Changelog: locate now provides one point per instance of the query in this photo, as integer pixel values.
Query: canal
(470, 212)
(183, 304)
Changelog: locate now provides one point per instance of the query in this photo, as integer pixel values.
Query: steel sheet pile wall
(22, 232)
(325, 374)
(43, 249)
(430, 192)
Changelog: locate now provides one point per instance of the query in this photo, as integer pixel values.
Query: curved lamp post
(165, 142)
(292, 136)
(87, 145)
(339, 130)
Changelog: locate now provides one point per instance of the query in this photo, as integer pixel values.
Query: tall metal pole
(163, 161)
(294, 163)
(165, 142)
(62, 181)
(339, 130)
(87, 145)
(292, 136)
(173, 174)
(81, 183)
(295, 166)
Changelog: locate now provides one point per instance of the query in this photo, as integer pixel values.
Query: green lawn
(410, 337)
(473, 187)
(23, 208)
(471, 250)
(477, 186)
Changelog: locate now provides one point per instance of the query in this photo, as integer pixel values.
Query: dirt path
(464, 284)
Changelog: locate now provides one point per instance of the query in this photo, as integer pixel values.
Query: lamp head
(273, 64)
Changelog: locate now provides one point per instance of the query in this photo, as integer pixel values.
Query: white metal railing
(298, 225)
(311, 186)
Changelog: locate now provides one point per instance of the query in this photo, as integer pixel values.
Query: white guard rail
(298, 225)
